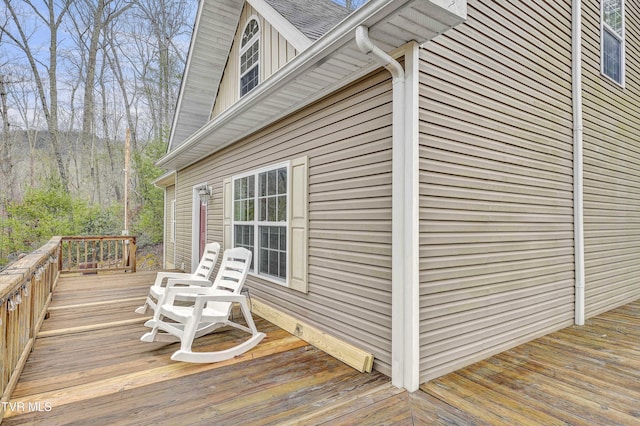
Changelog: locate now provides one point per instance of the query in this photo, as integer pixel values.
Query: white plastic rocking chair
(211, 310)
(199, 278)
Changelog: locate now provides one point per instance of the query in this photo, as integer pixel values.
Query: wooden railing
(25, 292)
(26, 287)
(97, 254)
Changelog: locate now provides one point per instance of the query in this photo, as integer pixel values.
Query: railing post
(134, 254)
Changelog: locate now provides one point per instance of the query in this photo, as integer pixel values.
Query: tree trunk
(49, 108)
(6, 163)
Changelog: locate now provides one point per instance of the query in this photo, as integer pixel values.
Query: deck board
(91, 368)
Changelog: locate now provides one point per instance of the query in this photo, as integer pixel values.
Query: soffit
(328, 63)
(214, 30)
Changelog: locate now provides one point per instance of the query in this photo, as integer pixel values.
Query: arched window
(249, 57)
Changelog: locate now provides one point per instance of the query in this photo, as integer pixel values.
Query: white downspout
(578, 176)
(398, 189)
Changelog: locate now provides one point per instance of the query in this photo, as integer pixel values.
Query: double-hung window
(260, 205)
(266, 211)
(612, 43)
(249, 57)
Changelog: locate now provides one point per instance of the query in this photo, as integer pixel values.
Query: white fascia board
(369, 15)
(322, 47)
(293, 35)
(458, 8)
(165, 180)
(194, 69)
(176, 112)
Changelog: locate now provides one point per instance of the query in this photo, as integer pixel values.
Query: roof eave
(269, 101)
(167, 179)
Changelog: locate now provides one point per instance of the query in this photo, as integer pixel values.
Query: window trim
(604, 27)
(257, 223)
(252, 41)
(172, 222)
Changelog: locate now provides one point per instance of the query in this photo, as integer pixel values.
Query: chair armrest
(201, 282)
(172, 292)
(221, 296)
(160, 276)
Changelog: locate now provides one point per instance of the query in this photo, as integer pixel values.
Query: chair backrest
(208, 261)
(233, 270)
(232, 274)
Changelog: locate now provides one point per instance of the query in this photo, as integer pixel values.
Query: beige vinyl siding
(169, 243)
(275, 51)
(347, 138)
(611, 169)
(496, 210)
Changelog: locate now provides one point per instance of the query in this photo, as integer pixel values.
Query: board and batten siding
(275, 51)
(347, 138)
(496, 164)
(611, 169)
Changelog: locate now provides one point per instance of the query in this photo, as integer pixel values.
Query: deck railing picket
(94, 254)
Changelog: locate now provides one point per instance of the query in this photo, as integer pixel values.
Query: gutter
(165, 180)
(369, 14)
(578, 165)
(404, 300)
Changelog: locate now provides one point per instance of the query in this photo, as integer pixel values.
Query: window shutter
(298, 225)
(226, 213)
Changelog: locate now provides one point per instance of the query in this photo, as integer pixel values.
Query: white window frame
(257, 223)
(605, 28)
(251, 42)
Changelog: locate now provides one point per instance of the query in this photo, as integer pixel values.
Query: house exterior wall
(275, 51)
(496, 209)
(169, 243)
(611, 169)
(347, 138)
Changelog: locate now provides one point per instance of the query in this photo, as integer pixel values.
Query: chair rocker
(210, 311)
(199, 278)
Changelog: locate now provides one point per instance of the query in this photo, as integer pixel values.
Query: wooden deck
(89, 367)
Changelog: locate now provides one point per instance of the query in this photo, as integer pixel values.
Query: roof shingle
(312, 17)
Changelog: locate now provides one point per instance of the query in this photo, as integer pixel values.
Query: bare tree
(96, 67)
(16, 31)
(166, 20)
(112, 56)
(99, 14)
(6, 162)
(23, 98)
(90, 19)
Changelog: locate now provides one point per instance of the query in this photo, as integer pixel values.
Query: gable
(327, 64)
(210, 44)
(275, 51)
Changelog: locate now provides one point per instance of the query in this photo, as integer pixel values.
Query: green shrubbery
(50, 210)
(147, 218)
